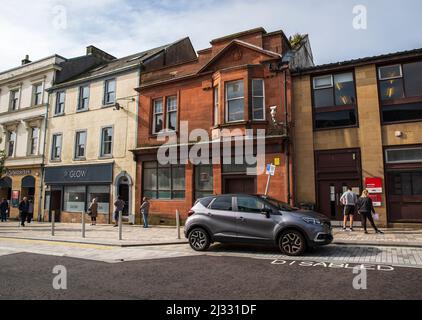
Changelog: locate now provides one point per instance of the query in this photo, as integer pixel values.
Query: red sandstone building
(232, 85)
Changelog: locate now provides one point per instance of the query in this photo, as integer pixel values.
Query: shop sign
(376, 199)
(101, 173)
(19, 172)
(374, 185)
(15, 198)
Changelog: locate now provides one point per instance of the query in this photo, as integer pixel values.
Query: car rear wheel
(199, 239)
(292, 243)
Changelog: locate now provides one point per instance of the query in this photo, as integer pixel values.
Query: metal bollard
(120, 226)
(53, 222)
(83, 224)
(178, 223)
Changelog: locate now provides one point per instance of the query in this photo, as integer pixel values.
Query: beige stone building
(92, 125)
(359, 123)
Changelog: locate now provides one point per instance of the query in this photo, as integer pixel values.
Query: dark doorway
(335, 171)
(124, 194)
(244, 185)
(55, 205)
(28, 187)
(6, 188)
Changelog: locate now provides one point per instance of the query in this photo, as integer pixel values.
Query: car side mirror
(266, 212)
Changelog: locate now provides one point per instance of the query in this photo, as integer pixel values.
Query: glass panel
(249, 204)
(172, 120)
(323, 98)
(159, 123)
(234, 90)
(417, 183)
(204, 178)
(150, 179)
(323, 82)
(404, 155)
(107, 137)
(413, 79)
(150, 164)
(389, 72)
(171, 104)
(158, 106)
(392, 89)
(164, 176)
(344, 88)
(102, 193)
(150, 194)
(178, 195)
(335, 119)
(235, 110)
(258, 88)
(178, 178)
(74, 199)
(222, 203)
(406, 184)
(402, 112)
(258, 108)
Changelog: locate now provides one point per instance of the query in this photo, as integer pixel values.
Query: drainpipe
(287, 141)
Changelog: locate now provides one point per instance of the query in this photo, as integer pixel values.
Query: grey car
(255, 219)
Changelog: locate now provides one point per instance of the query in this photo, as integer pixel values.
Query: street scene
(218, 151)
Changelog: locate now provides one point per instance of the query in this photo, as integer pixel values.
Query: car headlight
(311, 220)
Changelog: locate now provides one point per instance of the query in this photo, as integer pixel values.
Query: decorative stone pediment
(33, 122)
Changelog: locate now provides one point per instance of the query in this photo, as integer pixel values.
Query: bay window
(216, 105)
(334, 101)
(400, 87)
(171, 113)
(258, 100)
(235, 101)
(163, 181)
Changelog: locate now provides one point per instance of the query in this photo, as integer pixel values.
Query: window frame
(216, 105)
(155, 114)
(334, 108)
(386, 150)
(397, 101)
(35, 94)
(263, 99)
(106, 93)
(54, 146)
(226, 107)
(11, 133)
(13, 99)
(31, 142)
(102, 154)
(168, 113)
(76, 145)
(81, 98)
(62, 111)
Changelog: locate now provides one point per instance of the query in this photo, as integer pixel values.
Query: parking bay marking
(370, 267)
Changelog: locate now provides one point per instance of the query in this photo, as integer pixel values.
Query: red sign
(376, 199)
(374, 185)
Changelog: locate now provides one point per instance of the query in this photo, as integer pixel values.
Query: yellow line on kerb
(60, 243)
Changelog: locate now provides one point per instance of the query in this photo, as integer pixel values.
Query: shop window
(334, 101)
(83, 98)
(400, 88)
(102, 194)
(110, 91)
(204, 181)
(163, 182)
(235, 101)
(106, 142)
(74, 199)
(258, 99)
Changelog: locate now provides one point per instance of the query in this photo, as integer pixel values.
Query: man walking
(119, 205)
(4, 210)
(23, 209)
(145, 211)
(349, 200)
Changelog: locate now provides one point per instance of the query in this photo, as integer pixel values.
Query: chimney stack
(26, 60)
(94, 51)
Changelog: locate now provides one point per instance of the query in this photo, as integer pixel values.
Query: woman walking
(366, 209)
(93, 211)
(145, 211)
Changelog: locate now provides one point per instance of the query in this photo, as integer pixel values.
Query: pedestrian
(145, 211)
(349, 199)
(4, 210)
(366, 209)
(30, 214)
(23, 210)
(119, 205)
(93, 211)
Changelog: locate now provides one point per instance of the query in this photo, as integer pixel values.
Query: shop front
(18, 184)
(70, 190)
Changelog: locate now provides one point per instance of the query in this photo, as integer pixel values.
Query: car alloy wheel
(292, 243)
(198, 240)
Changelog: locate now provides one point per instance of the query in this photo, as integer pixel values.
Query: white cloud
(123, 27)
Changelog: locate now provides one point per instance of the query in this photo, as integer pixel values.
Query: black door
(124, 194)
(239, 185)
(55, 204)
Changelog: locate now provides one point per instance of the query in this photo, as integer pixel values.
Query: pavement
(158, 235)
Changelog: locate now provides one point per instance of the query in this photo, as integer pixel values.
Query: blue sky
(123, 27)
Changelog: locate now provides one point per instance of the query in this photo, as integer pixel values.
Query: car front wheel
(292, 243)
(199, 239)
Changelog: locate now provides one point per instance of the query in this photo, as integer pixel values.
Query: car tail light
(190, 213)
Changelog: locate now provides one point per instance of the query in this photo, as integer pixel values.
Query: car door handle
(241, 219)
(209, 214)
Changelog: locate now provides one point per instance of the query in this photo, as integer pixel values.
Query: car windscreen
(279, 205)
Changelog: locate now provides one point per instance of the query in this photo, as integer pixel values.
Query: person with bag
(119, 205)
(349, 199)
(23, 209)
(4, 210)
(145, 211)
(93, 211)
(366, 209)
